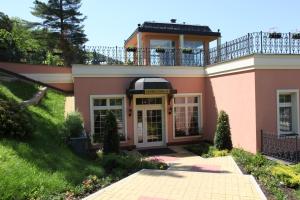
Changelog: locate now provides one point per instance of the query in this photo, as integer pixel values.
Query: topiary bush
(111, 139)
(14, 120)
(223, 135)
(74, 125)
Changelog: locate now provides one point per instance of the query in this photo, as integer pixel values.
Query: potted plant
(75, 134)
(160, 50)
(187, 51)
(131, 49)
(296, 36)
(274, 35)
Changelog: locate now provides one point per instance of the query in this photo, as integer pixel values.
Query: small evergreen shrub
(74, 124)
(111, 139)
(223, 134)
(14, 120)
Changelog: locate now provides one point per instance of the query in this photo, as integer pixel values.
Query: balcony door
(162, 52)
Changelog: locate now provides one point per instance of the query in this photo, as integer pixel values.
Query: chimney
(173, 21)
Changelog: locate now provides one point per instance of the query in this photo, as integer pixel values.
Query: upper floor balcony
(197, 55)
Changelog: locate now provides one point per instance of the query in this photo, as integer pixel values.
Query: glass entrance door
(149, 126)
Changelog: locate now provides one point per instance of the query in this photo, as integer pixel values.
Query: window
(196, 56)
(287, 111)
(187, 116)
(100, 107)
(166, 57)
(148, 101)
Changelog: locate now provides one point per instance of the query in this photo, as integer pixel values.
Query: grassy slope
(42, 165)
(17, 90)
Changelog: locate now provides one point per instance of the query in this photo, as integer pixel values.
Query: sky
(110, 22)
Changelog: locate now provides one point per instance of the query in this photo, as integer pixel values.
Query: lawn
(17, 90)
(42, 166)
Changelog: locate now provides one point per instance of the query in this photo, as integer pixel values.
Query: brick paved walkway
(189, 177)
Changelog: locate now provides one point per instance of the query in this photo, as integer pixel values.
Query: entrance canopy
(150, 86)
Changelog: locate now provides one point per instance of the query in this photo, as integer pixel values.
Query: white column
(181, 46)
(181, 41)
(140, 50)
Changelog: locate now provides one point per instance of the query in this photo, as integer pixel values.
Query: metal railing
(144, 56)
(256, 43)
(284, 147)
(252, 43)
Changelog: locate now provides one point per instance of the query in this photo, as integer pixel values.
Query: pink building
(166, 86)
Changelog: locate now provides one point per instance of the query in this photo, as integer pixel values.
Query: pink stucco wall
(235, 94)
(267, 84)
(84, 87)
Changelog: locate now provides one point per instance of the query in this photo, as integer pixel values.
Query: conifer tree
(223, 135)
(63, 18)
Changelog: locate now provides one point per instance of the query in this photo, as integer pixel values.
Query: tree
(5, 22)
(111, 140)
(223, 134)
(18, 43)
(63, 18)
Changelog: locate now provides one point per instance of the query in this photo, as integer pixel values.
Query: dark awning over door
(150, 86)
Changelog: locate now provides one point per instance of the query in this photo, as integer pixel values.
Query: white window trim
(92, 97)
(287, 91)
(200, 114)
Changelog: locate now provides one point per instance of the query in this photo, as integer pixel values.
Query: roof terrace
(252, 43)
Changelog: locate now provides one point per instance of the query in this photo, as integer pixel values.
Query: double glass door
(149, 126)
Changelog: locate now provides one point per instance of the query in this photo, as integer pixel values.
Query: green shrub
(223, 135)
(287, 175)
(14, 120)
(206, 150)
(123, 165)
(74, 124)
(219, 153)
(111, 139)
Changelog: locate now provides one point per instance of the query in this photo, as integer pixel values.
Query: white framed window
(287, 111)
(100, 105)
(187, 116)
